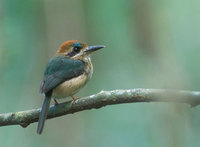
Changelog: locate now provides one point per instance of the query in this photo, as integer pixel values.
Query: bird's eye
(76, 49)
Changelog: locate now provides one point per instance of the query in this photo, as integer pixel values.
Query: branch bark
(103, 98)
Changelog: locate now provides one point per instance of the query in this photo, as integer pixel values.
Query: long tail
(43, 114)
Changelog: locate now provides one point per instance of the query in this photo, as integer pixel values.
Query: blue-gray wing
(60, 69)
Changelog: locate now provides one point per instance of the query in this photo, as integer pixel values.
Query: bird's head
(77, 50)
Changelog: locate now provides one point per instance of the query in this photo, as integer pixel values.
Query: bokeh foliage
(149, 44)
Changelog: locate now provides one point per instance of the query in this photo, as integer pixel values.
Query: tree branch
(24, 118)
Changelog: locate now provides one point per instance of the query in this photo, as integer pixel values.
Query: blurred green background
(149, 44)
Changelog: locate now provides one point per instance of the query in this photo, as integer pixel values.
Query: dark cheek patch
(71, 54)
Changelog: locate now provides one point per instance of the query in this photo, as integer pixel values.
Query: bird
(65, 74)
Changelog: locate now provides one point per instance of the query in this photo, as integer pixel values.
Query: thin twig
(24, 118)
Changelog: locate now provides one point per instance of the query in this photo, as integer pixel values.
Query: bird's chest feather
(72, 86)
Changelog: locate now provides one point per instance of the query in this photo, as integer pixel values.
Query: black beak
(94, 48)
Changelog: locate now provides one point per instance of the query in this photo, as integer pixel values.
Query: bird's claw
(73, 100)
(55, 102)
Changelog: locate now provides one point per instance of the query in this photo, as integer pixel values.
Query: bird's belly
(70, 87)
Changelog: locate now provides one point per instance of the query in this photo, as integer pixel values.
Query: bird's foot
(55, 102)
(73, 99)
